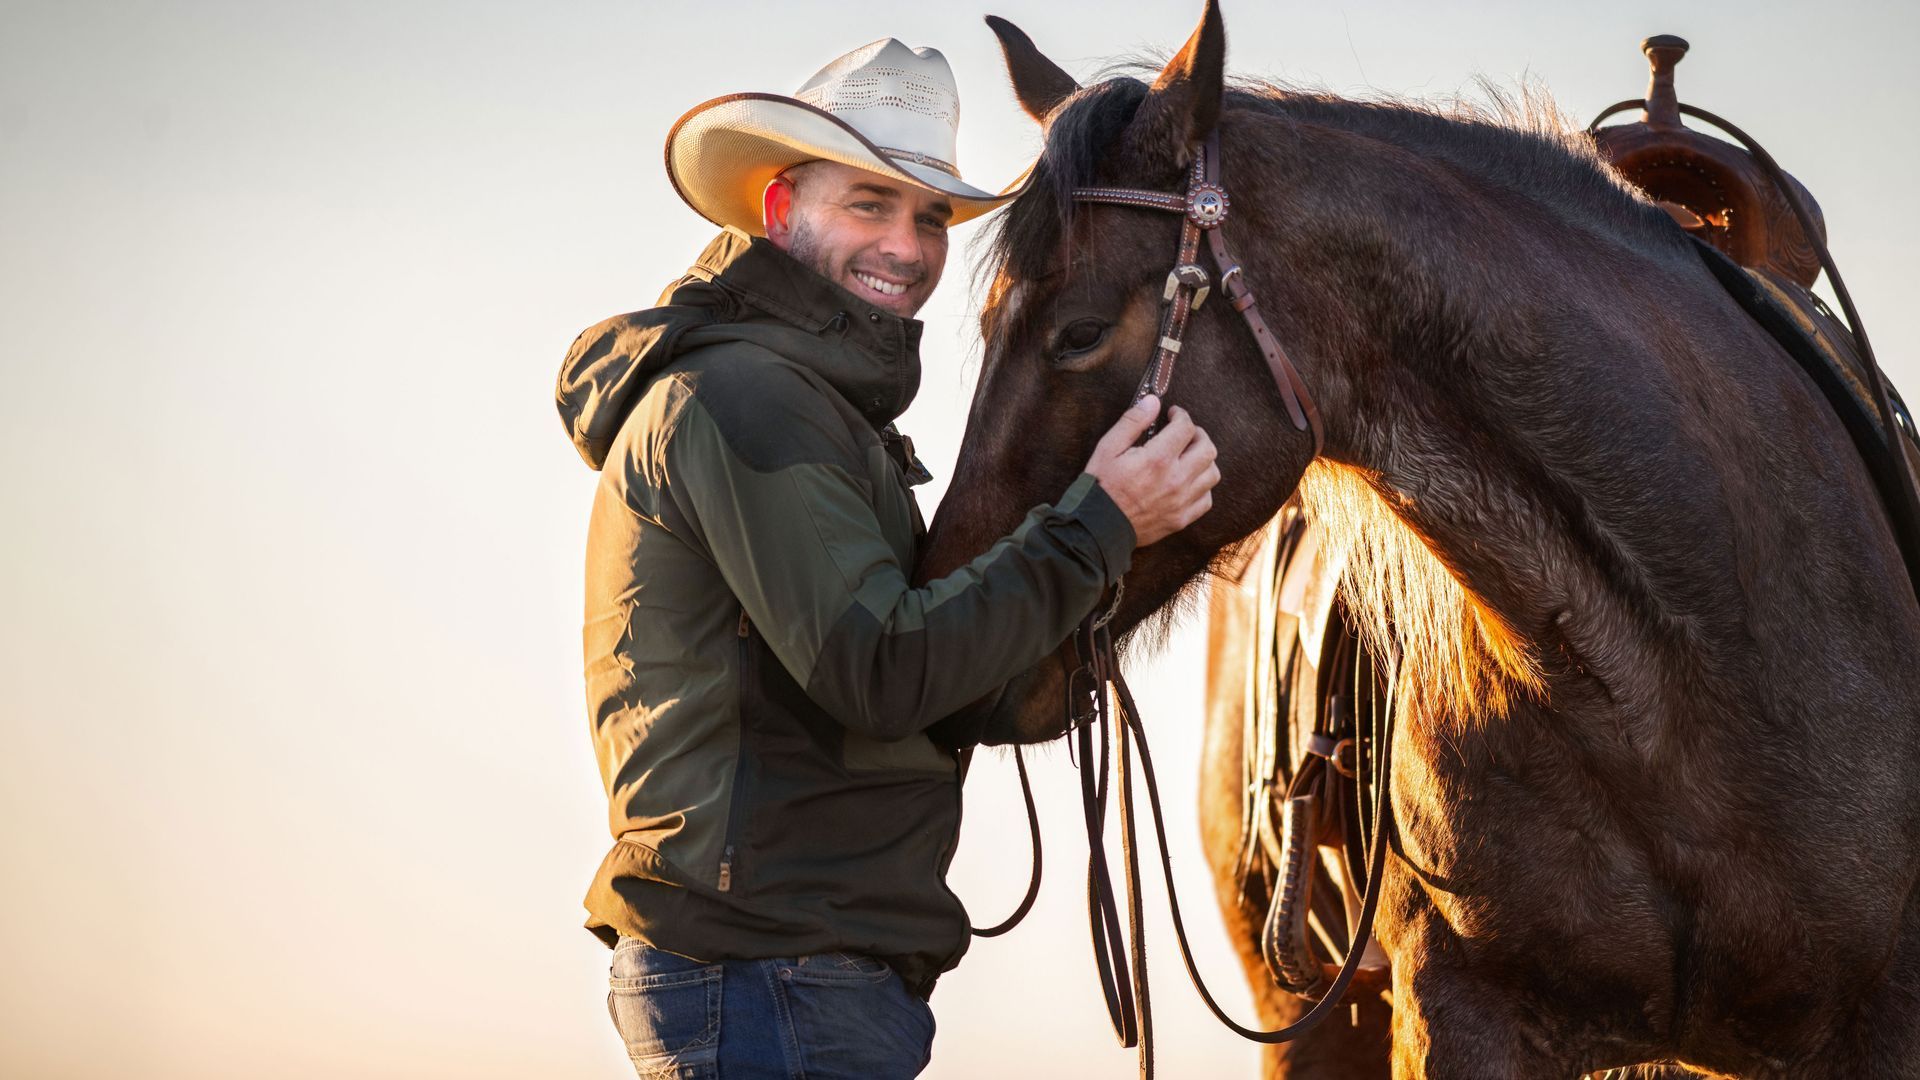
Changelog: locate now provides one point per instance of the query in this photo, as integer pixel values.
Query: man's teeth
(887, 288)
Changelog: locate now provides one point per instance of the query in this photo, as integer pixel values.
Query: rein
(1130, 1009)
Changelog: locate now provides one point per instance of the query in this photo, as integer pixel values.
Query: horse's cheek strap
(1293, 389)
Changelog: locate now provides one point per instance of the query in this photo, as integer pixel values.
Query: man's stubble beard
(804, 246)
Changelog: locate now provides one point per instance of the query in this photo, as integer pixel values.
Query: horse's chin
(1034, 706)
(1165, 583)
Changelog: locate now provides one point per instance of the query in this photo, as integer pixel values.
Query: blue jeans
(821, 1017)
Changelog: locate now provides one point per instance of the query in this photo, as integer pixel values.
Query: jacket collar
(871, 356)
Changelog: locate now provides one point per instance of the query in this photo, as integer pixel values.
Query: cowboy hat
(883, 107)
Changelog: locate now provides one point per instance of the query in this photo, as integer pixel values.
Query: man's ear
(776, 211)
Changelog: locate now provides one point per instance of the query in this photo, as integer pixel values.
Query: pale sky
(297, 779)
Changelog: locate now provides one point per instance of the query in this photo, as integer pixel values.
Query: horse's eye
(1080, 336)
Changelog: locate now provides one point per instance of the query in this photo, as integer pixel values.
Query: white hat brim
(722, 154)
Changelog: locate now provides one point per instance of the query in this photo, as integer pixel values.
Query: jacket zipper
(736, 806)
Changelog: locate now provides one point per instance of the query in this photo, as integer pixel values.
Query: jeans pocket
(838, 967)
(669, 1020)
(854, 1019)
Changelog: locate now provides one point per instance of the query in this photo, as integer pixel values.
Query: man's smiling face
(882, 240)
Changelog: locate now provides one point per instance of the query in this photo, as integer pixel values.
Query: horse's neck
(1549, 498)
(1564, 416)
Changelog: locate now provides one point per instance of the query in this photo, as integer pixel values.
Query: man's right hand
(1164, 485)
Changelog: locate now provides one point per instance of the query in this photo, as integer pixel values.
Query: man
(764, 683)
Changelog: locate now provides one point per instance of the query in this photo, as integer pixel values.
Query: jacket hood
(742, 289)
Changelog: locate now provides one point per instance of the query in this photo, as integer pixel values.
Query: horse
(1656, 786)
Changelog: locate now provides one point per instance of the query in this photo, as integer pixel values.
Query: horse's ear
(1184, 104)
(1038, 82)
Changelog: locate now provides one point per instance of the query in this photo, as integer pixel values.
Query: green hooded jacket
(761, 674)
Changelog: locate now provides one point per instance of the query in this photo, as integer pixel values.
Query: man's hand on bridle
(1164, 484)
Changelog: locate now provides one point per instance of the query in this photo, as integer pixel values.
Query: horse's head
(1072, 317)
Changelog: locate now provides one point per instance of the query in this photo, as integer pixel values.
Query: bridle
(1203, 209)
(1096, 687)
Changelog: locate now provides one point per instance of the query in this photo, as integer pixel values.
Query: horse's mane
(1457, 656)
(1515, 138)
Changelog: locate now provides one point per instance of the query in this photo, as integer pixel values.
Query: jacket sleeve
(780, 503)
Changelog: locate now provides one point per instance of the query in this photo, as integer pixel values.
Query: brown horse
(1657, 783)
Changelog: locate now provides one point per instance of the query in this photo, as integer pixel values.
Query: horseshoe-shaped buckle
(1194, 277)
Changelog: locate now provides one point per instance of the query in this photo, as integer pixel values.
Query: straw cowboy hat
(883, 107)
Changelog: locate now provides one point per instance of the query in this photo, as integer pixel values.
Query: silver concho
(1207, 206)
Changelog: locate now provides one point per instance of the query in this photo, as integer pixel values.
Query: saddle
(1318, 699)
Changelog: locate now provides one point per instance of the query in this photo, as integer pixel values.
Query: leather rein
(1096, 689)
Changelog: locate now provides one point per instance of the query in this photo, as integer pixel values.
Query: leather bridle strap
(1186, 287)
(1234, 285)
(1203, 209)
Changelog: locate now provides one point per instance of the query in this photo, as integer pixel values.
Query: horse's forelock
(1026, 238)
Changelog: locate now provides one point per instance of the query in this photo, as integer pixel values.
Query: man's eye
(933, 223)
(1080, 336)
(867, 207)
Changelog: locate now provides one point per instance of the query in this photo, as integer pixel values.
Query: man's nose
(901, 241)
